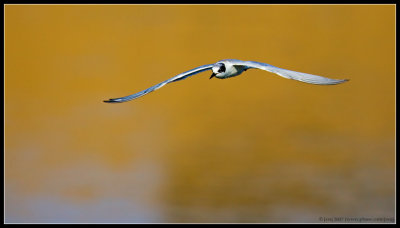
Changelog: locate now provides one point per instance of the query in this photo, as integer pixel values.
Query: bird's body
(232, 67)
(227, 69)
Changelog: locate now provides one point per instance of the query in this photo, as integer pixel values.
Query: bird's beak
(213, 75)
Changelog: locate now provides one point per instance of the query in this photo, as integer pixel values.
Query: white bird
(231, 67)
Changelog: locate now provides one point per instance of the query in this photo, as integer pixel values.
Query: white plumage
(230, 68)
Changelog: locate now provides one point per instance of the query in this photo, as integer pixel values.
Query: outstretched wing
(159, 85)
(303, 77)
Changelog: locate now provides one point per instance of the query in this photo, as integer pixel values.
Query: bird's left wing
(159, 85)
(303, 77)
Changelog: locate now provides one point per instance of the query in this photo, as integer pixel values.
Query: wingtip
(110, 101)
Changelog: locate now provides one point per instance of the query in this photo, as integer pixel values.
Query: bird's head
(218, 70)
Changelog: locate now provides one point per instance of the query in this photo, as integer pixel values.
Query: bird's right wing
(159, 85)
(303, 77)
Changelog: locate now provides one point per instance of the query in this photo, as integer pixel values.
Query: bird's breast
(231, 72)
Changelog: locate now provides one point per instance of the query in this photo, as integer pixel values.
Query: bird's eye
(221, 69)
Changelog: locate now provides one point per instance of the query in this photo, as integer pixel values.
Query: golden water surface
(254, 148)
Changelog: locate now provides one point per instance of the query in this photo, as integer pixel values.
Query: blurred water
(255, 148)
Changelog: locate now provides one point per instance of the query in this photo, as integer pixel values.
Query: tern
(231, 67)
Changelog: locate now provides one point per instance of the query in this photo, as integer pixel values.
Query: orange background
(253, 148)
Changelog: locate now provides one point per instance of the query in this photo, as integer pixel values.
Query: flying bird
(231, 67)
